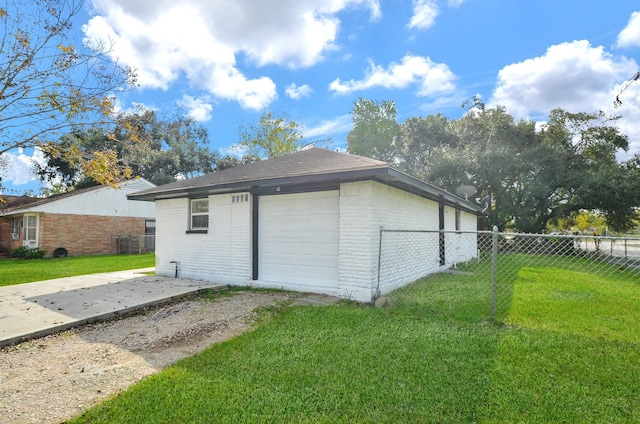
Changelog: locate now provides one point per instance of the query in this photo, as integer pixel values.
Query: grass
(431, 356)
(17, 271)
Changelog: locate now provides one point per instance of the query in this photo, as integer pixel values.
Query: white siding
(104, 201)
(222, 255)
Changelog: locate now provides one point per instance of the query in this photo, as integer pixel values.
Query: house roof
(22, 204)
(306, 170)
(7, 202)
(27, 202)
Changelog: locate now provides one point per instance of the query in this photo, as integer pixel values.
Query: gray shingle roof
(310, 166)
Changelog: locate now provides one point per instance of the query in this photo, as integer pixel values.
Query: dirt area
(57, 377)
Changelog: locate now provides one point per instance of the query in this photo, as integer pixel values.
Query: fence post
(494, 270)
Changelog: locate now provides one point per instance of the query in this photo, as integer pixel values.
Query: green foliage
(50, 86)
(421, 144)
(24, 252)
(155, 149)
(530, 177)
(271, 137)
(18, 272)
(588, 222)
(374, 130)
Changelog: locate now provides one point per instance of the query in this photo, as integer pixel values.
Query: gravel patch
(59, 376)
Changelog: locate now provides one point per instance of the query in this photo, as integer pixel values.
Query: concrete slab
(37, 309)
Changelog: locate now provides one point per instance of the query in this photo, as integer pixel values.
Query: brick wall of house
(6, 241)
(5, 234)
(88, 234)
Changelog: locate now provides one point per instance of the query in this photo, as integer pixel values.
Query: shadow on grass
(463, 294)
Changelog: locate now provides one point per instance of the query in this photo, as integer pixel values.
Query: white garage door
(298, 240)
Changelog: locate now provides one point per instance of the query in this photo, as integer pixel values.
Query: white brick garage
(309, 221)
(298, 241)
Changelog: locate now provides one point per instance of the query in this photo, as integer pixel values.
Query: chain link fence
(489, 265)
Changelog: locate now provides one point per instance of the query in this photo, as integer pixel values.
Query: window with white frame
(15, 228)
(30, 228)
(199, 214)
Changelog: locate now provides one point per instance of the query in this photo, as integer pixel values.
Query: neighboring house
(309, 221)
(94, 220)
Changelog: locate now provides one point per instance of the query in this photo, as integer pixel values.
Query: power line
(617, 103)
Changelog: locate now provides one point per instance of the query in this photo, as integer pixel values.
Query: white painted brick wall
(399, 210)
(365, 208)
(221, 255)
(224, 253)
(357, 235)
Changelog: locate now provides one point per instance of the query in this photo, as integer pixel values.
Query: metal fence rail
(491, 263)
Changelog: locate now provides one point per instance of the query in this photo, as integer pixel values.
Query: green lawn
(18, 271)
(430, 356)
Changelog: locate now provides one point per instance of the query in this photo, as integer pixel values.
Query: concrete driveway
(36, 309)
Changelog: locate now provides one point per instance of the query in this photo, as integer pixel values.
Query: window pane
(200, 221)
(30, 227)
(200, 206)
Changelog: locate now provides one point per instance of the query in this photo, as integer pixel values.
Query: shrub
(24, 252)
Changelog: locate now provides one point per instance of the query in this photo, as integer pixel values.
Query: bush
(24, 252)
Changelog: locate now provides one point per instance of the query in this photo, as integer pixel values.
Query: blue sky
(224, 61)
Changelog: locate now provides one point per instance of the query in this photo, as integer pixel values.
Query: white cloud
(432, 78)
(455, 3)
(424, 14)
(166, 40)
(19, 167)
(630, 35)
(574, 76)
(341, 124)
(297, 92)
(199, 109)
(629, 111)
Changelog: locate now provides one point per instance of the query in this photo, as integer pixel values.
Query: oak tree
(158, 149)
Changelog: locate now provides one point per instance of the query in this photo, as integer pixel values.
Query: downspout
(176, 264)
(441, 228)
(376, 295)
(255, 222)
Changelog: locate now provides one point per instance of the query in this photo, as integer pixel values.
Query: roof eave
(253, 185)
(412, 184)
(384, 174)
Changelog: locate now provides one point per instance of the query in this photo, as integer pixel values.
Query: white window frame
(196, 210)
(27, 220)
(15, 228)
